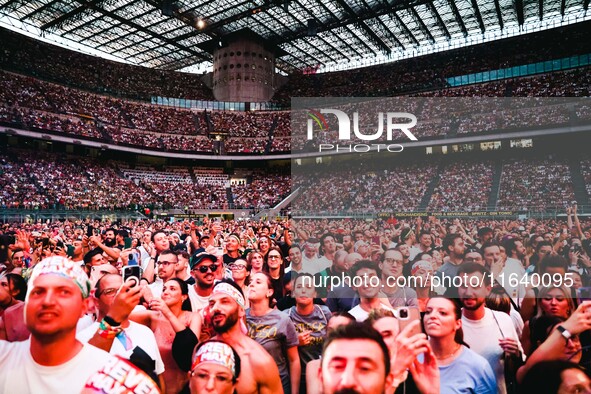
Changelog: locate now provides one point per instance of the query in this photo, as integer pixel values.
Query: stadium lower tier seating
(35, 180)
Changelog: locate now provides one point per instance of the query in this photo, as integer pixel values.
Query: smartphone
(219, 251)
(228, 273)
(583, 294)
(132, 271)
(406, 316)
(70, 250)
(127, 241)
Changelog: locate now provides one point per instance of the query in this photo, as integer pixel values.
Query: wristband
(564, 332)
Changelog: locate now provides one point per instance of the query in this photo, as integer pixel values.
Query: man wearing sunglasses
(204, 267)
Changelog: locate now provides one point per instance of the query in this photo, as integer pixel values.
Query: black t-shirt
(228, 259)
(277, 285)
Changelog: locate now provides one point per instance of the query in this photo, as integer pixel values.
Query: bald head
(352, 258)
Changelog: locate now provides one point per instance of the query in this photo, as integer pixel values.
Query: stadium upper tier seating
(30, 103)
(33, 57)
(54, 90)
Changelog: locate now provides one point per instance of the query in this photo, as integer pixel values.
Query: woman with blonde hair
(553, 301)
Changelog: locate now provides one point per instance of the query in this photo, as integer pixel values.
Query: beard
(477, 303)
(225, 326)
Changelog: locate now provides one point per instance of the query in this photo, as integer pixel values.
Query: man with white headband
(232, 249)
(259, 371)
(215, 369)
(51, 360)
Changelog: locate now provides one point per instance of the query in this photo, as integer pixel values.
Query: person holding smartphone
(115, 301)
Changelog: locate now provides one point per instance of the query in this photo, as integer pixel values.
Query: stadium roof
(312, 33)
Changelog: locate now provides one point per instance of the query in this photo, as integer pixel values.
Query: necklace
(450, 354)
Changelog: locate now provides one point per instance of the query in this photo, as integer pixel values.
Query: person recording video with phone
(115, 300)
(405, 345)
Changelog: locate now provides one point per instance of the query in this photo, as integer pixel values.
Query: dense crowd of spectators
(586, 173)
(47, 181)
(213, 284)
(246, 145)
(32, 180)
(428, 73)
(463, 185)
(513, 330)
(35, 181)
(27, 55)
(363, 191)
(242, 124)
(535, 183)
(37, 105)
(265, 190)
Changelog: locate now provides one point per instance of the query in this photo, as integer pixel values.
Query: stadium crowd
(429, 72)
(476, 179)
(541, 183)
(532, 183)
(29, 56)
(254, 291)
(41, 180)
(30, 103)
(326, 306)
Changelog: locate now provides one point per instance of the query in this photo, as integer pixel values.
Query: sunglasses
(204, 268)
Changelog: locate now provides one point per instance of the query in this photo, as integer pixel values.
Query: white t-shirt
(19, 373)
(140, 336)
(492, 331)
(84, 322)
(156, 288)
(414, 251)
(197, 302)
(314, 266)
